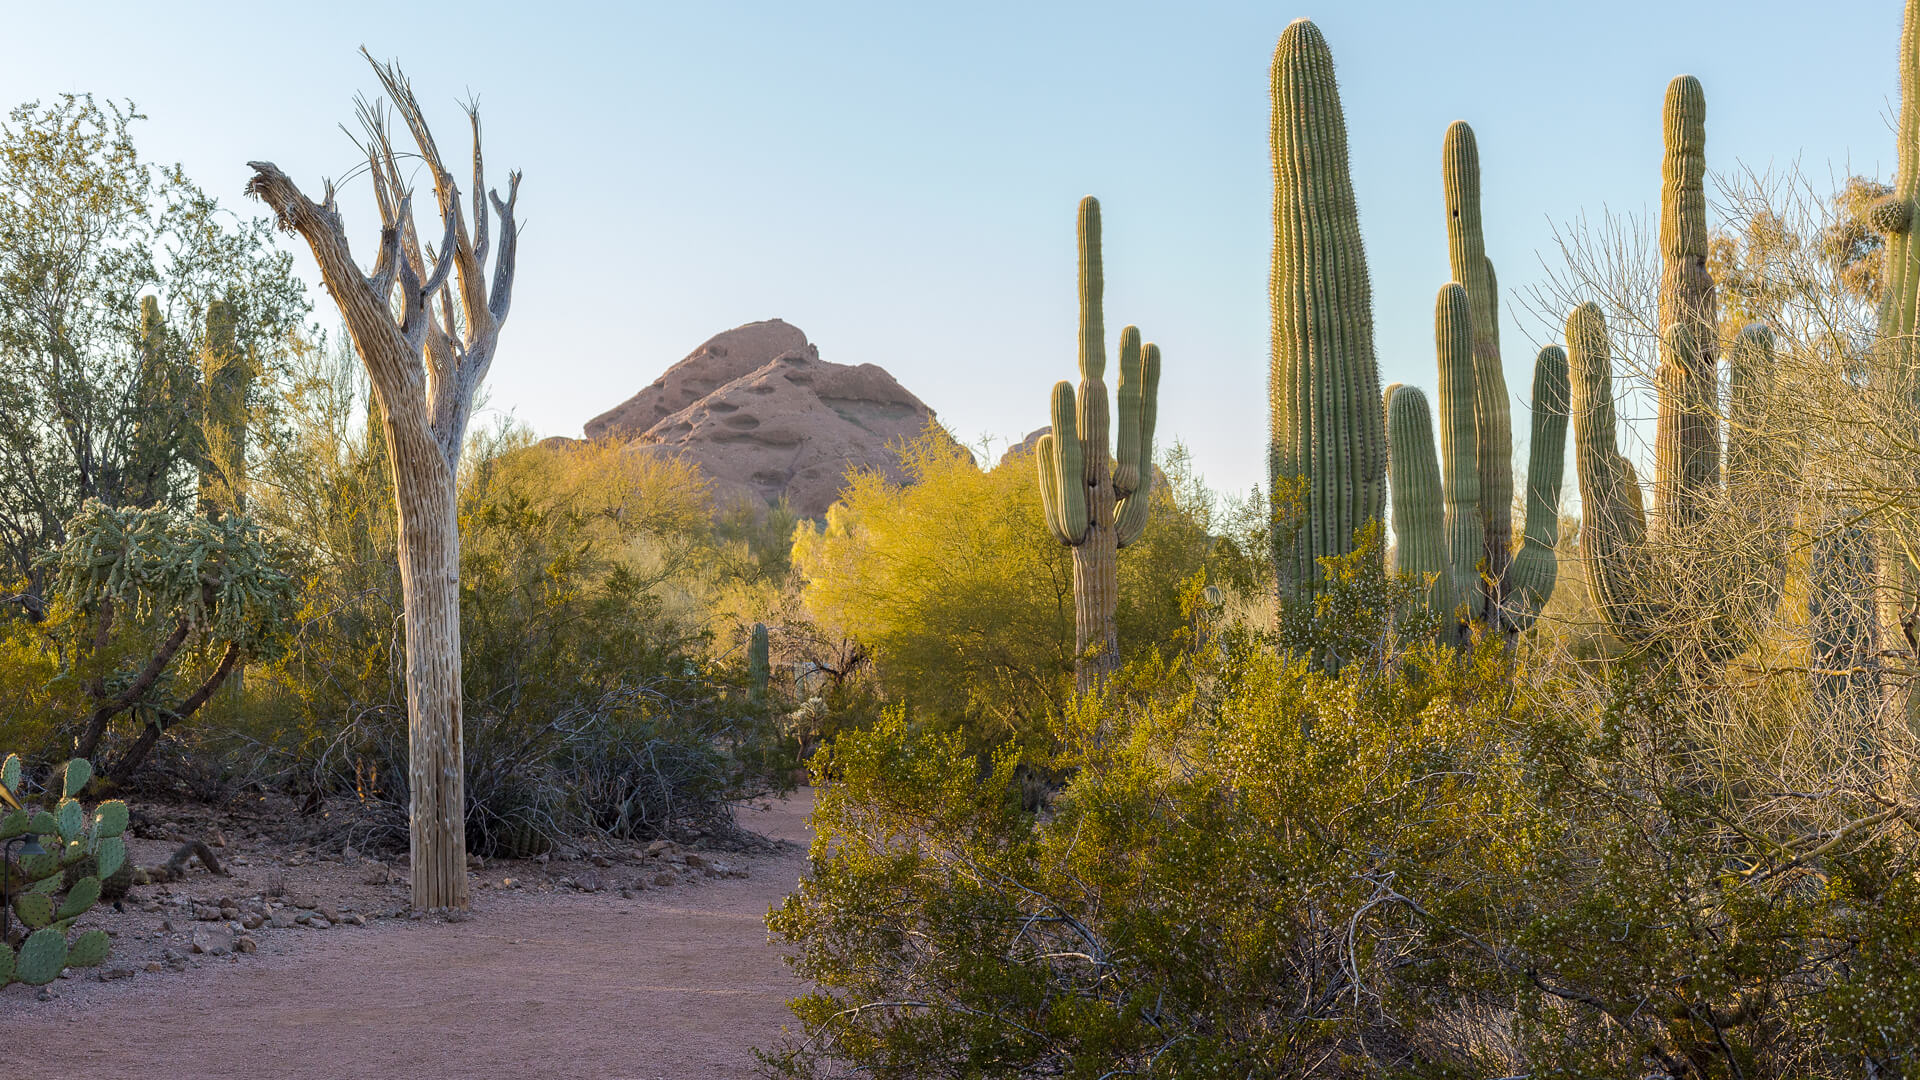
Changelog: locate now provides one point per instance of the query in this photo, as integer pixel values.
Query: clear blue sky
(899, 179)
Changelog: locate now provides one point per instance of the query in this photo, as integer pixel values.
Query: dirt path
(676, 984)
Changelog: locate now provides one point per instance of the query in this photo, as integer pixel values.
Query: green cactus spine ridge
(1459, 446)
(1327, 427)
(1092, 502)
(1419, 511)
(1493, 415)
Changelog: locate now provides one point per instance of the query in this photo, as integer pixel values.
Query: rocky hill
(765, 418)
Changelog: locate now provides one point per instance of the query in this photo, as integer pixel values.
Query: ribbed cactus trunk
(1486, 583)
(1613, 524)
(1466, 528)
(1419, 497)
(1493, 416)
(1687, 436)
(1092, 504)
(227, 379)
(1327, 430)
(1898, 338)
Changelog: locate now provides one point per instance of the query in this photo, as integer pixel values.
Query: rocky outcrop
(765, 418)
(723, 358)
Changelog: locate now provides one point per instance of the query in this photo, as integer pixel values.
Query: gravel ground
(304, 964)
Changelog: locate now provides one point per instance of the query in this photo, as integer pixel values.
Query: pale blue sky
(899, 179)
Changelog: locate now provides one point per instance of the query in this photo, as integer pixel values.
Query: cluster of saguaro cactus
(228, 377)
(1328, 445)
(42, 897)
(759, 661)
(1094, 503)
(1440, 510)
(1707, 598)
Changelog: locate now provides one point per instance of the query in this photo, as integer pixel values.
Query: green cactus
(759, 662)
(1493, 420)
(1706, 604)
(46, 892)
(1419, 513)
(1092, 503)
(1328, 434)
(1687, 438)
(228, 378)
(1458, 542)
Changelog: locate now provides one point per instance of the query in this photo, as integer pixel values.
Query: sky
(899, 180)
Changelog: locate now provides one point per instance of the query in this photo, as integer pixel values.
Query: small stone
(282, 919)
(304, 918)
(543, 858)
(329, 913)
(509, 883)
(694, 859)
(154, 965)
(253, 921)
(356, 919)
(318, 923)
(109, 974)
(207, 914)
(659, 846)
(213, 940)
(44, 995)
(602, 861)
(663, 879)
(245, 944)
(229, 913)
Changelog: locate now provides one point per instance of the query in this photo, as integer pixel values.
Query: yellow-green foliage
(964, 597)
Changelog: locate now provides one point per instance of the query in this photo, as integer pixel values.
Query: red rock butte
(765, 418)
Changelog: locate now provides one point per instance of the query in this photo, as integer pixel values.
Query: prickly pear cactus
(43, 899)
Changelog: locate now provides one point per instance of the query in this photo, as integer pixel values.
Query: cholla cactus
(1093, 504)
(40, 895)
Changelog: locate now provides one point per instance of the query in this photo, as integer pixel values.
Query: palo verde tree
(426, 362)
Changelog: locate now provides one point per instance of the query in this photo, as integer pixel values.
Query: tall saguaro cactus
(1657, 579)
(1453, 543)
(1094, 504)
(1327, 435)
(228, 377)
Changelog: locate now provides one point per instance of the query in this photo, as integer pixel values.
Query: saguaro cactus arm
(1536, 568)
(1613, 519)
(1131, 516)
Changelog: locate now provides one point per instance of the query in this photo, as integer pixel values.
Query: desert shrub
(1414, 862)
(591, 702)
(964, 601)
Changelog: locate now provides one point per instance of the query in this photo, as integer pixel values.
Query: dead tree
(426, 357)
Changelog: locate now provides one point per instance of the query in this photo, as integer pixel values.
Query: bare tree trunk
(426, 366)
(430, 584)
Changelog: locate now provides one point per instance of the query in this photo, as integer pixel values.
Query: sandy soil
(576, 970)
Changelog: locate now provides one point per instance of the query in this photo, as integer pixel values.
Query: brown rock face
(723, 358)
(790, 426)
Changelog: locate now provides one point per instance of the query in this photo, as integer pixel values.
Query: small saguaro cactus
(1327, 436)
(1438, 514)
(42, 899)
(1668, 579)
(1095, 504)
(759, 662)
